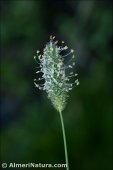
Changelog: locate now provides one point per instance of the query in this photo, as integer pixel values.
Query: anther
(56, 42)
(71, 73)
(38, 71)
(36, 84)
(40, 88)
(77, 82)
(72, 51)
(39, 57)
(37, 51)
(65, 48)
(36, 60)
(40, 78)
(50, 37)
(70, 66)
(67, 79)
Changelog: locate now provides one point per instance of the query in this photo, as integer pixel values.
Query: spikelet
(56, 83)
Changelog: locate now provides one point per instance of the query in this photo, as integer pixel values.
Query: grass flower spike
(55, 80)
(56, 83)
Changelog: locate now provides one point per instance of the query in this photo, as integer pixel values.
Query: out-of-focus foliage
(31, 130)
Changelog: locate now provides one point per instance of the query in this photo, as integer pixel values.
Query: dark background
(31, 129)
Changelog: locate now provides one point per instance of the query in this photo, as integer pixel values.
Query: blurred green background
(31, 129)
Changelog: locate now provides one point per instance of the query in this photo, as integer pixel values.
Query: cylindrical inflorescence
(56, 83)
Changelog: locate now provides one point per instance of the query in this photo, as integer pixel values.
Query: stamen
(37, 71)
(39, 57)
(65, 48)
(56, 42)
(39, 66)
(36, 84)
(70, 60)
(72, 51)
(67, 54)
(67, 79)
(36, 60)
(40, 79)
(70, 66)
(71, 73)
(41, 88)
(77, 82)
(51, 37)
(67, 67)
(37, 51)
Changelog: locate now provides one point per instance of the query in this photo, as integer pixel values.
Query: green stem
(64, 138)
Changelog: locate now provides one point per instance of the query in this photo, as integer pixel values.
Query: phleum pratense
(56, 77)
